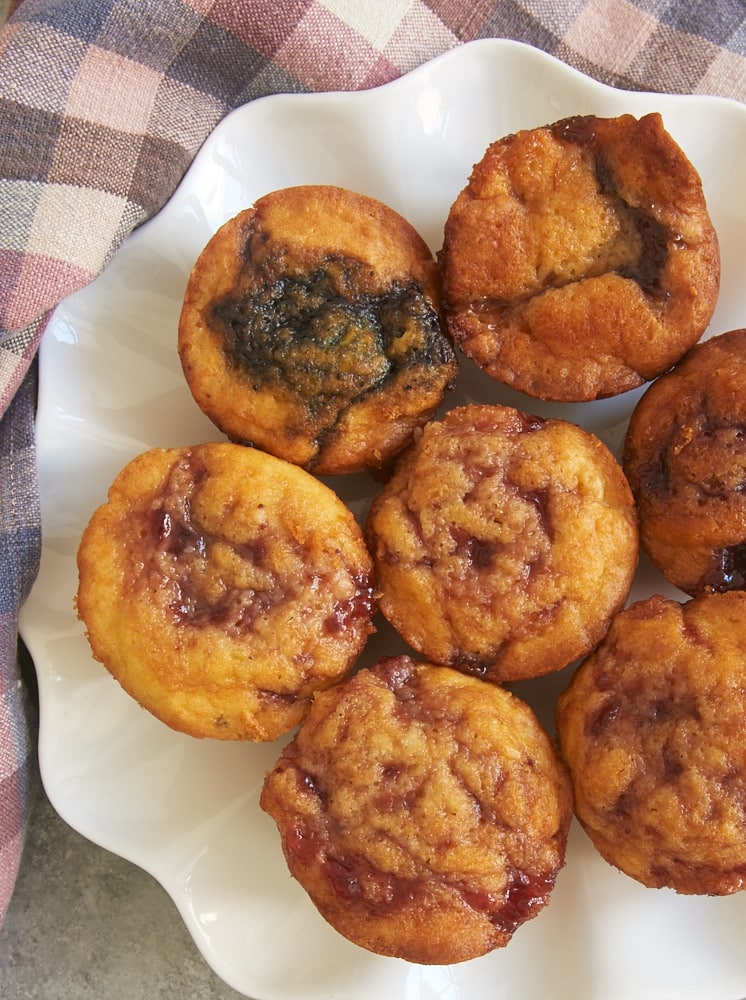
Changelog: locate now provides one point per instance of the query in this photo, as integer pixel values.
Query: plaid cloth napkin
(104, 103)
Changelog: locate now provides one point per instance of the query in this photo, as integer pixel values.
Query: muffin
(685, 458)
(311, 328)
(213, 597)
(503, 542)
(651, 728)
(580, 260)
(424, 812)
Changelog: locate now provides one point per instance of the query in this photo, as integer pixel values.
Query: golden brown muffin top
(221, 586)
(580, 260)
(685, 458)
(503, 542)
(652, 729)
(424, 811)
(311, 328)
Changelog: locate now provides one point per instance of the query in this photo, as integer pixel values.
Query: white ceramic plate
(111, 386)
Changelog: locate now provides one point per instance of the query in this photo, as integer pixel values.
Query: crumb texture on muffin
(424, 811)
(503, 542)
(214, 598)
(580, 260)
(652, 730)
(311, 328)
(685, 458)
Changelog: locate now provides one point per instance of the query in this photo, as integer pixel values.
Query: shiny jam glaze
(183, 551)
(727, 570)
(392, 788)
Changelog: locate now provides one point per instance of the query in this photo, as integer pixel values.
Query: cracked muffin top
(685, 458)
(311, 328)
(580, 260)
(214, 598)
(504, 542)
(651, 727)
(425, 812)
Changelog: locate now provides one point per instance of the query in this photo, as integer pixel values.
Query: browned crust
(652, 730)
(331, 403)
(685, 458)
(425, 813)
(503, 543)
(214, 598)
(580, 260)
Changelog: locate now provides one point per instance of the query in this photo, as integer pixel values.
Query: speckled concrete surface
(86, 925)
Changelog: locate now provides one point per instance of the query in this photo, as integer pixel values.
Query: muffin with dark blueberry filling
(685, 458)
(424, 811)
(580, 260)
(311, 328)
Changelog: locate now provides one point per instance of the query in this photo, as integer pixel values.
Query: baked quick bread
(652, 729)
(580, 260)
(503, 542)
(222, 586)
(311, 328)
(425, 812)
(685, 458)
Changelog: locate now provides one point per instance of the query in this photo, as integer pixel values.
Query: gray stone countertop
(84, 924)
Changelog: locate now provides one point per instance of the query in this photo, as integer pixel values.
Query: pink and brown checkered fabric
(103, 105)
